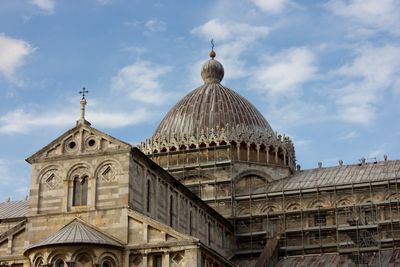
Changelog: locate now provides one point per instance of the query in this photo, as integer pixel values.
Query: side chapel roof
(78, 232)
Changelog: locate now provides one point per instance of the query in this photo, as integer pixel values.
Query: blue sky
(326, 73)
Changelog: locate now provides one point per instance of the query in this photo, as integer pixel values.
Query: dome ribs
(211, 106)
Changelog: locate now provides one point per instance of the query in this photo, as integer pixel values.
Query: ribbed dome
(210, 106)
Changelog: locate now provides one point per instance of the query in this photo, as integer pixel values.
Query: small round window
(91, 142)
(71, 145)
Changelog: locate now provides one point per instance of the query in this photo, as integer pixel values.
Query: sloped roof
(14, 209)
(338, 175)
(78, 232)
(387, 258)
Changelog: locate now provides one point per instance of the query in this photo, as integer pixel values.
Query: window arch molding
(38, 261)
(110, 258)
(57, 254)
(79, 177)
(83, 253)
(115, 166)
(319, 203)
(81, 165)
(56, 167)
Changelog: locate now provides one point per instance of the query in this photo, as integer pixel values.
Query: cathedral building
(213, 186)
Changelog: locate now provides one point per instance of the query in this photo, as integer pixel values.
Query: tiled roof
(78, 231)
(387, 258)
(211, 106)
(338, 175)
(14, 209)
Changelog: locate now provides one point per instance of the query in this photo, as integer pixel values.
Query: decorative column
(267, 151)
(284, 158)
(165, 259)
(248, 151)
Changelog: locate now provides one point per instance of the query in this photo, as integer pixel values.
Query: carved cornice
(220, 136)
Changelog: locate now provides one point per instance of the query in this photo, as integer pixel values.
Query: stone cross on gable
(83, 103)
(83, 92)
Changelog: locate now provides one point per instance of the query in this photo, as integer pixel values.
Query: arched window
(84, 261)
(106, 264)
(171, 211)
(190, 222)
(80, 190)
(38, 262)
(148, 195)
(209, 233)
(59, 263)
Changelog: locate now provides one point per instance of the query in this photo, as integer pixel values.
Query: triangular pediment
(80, 140)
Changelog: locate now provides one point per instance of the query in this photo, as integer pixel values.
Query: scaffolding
(359, 228)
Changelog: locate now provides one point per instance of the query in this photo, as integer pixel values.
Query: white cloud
(155, 25)
(141, 81)
(284, 112)
(285, 71)
(231, 39)
(271, 6)
(373, 71)
(45, 5)
(228, 31)
(20, 121)
(13, 53)
(368, 16)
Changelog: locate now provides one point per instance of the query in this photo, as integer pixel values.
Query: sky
(326, 73)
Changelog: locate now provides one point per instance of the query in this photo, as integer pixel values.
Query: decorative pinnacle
(83, 103)
(212, 52)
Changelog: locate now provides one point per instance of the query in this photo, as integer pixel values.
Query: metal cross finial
(83, 92)
(212, 44)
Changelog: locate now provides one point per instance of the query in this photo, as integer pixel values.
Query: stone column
(284, 158)
(145, 260)
(258, 153)
(165, 260)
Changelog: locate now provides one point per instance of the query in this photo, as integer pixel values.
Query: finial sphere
(212, 71)
(212, 54)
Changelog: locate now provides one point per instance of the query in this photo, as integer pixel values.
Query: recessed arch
(270, 208)
(344, 202)
(293, 206)
(82, 166)
(110, 258)
(84, 256)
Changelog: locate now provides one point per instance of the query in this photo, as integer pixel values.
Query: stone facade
(114, 190)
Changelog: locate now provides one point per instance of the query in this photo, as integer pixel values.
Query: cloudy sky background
(326, 73)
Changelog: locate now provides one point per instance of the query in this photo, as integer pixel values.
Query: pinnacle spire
(83, 103)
